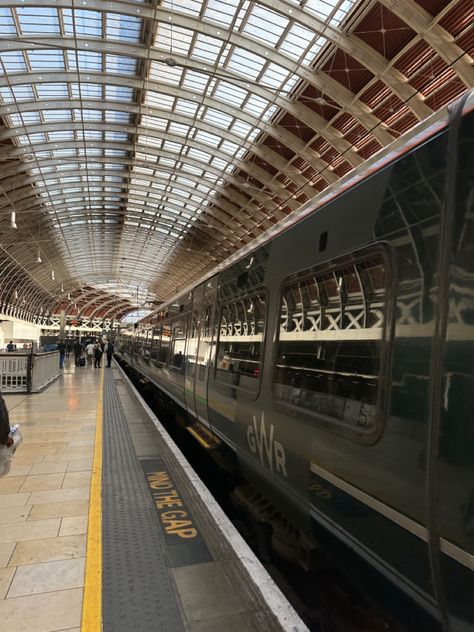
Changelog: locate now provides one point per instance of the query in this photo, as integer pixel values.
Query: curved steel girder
(15, 282)
(279, 133)
(435, 35)
(30, 299)
(111, 313)
(257, 173)
(349, 43)
(111, 303)
(97, 297)
(289, 139)
(120, 314)
(129, 272)
(224, 227)
(268, 155)
(20, 266)
(263, 152)
(21, 250)
(240, 200)
(68, 217)
(319, 125)
(235, 205)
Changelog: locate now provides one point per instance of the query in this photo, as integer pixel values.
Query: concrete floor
(44, 505)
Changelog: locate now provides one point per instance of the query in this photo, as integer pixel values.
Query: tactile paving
(138, 591)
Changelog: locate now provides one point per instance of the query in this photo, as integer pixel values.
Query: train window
(330, 352)
(155, 344)
(178, 344)
(239, 351)
(146, 344)
(161, 343)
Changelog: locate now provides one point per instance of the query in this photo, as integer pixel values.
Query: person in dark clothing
(7, 442)
(110, 353)
(62, 353)
(10, 347)
(97, 355)
(5, 436)
(78, 349)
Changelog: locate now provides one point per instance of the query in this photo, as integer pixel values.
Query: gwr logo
(259, 443)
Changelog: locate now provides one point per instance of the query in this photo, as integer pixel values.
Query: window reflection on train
(240, 340)
(329, 351)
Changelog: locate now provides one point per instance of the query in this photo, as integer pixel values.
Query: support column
(62, 324)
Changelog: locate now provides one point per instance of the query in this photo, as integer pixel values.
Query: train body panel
(319, 359)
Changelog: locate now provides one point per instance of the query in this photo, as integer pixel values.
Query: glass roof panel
(57, 115)
(82, 22)
(122, 27)
(207, 48)
(173, 39)
(265, 25)
(192, 7)
(245, 63)
(46, 60)
(16, 93)
(7, 24)
(26, 118)
(166, 74)
(121, 65)
(38, 20)
(229, 93)
(296, 41)
(221, 12)
(195, 81)
(112, 116)
(12, 62)
(118, 93)
(52, 90)
(216, 117)
(84, 60)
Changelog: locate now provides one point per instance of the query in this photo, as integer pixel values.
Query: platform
(150, 551)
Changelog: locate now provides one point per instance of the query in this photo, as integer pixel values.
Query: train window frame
(254, 393)
(318, 419)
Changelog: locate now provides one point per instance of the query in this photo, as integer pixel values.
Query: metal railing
(27, 372)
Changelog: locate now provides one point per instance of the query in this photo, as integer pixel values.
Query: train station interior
(199, 199)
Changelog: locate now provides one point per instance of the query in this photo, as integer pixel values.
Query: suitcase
(82, 362)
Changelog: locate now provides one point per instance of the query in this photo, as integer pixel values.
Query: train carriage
(335, 362)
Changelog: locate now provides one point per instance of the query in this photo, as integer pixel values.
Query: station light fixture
(38, 257)
(13, 220)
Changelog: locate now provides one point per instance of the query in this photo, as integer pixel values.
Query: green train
(335, 362)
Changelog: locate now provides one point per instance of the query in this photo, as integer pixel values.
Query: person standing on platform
(62, 353)
(89, 351)
(97, 355)
(110, 353)
(6, 439)
(77, 352)
(5, 436)
(10, 347)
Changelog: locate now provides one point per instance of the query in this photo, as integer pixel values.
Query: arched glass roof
(145, 142)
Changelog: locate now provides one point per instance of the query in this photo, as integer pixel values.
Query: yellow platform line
(92, 602)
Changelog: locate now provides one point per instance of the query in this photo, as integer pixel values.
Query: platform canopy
(142, 143)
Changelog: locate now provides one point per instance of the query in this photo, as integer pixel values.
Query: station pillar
(62, 324)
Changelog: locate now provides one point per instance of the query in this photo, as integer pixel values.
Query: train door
(192, 341)
(206, 314)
